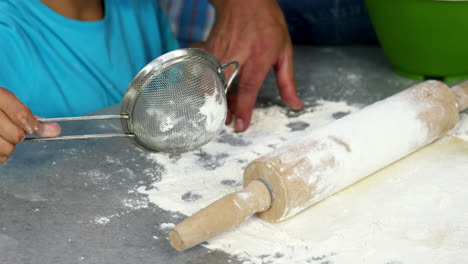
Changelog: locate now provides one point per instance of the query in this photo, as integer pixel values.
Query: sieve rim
(129, 100)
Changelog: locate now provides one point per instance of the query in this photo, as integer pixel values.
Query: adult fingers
(284, 72)
(250, 83)
(228, 117)
(231, 102)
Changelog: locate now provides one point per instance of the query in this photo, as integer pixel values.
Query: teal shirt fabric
(63, 67)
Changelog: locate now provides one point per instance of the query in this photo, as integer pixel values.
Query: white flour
(101, 220)
(199, 175)
(214, 110)
(167, 225)
(407, 213)
(461, 130)
(169, 123)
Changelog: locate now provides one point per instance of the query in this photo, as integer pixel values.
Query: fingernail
(239, 125)
(296, 105)
(27, 127)
(23, 138)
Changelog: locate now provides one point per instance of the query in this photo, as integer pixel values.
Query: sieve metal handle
(233, 75)
(81, 118)
(95, 136)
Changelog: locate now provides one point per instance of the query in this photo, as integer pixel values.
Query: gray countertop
(49, 205)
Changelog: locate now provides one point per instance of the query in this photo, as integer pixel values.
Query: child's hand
(17, 121)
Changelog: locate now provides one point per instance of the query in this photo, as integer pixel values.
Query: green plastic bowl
(423, 39)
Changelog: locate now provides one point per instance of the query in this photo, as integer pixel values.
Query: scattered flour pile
(415, 211)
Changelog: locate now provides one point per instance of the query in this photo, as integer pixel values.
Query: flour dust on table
(411, 212)
(461, 130)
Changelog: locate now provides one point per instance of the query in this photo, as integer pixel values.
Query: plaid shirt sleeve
(191, 20)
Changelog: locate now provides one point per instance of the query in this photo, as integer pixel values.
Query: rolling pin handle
(461, 94)
(221, 215)
(270, 189)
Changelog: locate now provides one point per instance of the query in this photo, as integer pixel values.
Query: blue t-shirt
(63, 67)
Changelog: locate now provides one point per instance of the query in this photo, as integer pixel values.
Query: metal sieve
(175, 104)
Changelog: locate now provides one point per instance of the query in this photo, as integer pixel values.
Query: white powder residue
(244, 195)
(461, 130)
(414, 211)
(135, 204)
(130, 205)
(353, 78)
(167, 225)
(214, 111)
(110, 159)
(186, 125)
(96, 176)
(168, 123)
(101, 220)
(188, 176)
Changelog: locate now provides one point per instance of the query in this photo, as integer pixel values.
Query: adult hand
(254, 33)
(17, 121)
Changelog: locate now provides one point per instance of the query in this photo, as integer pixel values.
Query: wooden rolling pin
(288, 180)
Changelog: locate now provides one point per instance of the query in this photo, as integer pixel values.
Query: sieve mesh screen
(180, 106)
